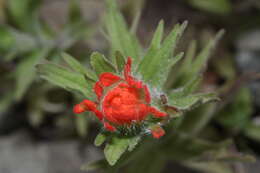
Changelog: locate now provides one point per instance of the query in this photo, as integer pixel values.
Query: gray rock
(252, 167)
(19, 154)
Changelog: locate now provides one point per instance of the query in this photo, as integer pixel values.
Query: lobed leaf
(190, 101)
(120, 61)
(157, 59)
(203, 56)
(76, 66)
(188, 88)
(66, 79)
(100, 63)
(120, 37)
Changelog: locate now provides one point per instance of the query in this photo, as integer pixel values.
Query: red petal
(98, 90)
(157, 132)
(106, 79)
(79, 108)
(157, 113)
(87, 105)
(109, 127)
(127, 69)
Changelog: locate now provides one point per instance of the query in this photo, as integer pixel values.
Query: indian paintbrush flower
(121, 101)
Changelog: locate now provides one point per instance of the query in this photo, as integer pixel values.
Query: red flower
(121, 101)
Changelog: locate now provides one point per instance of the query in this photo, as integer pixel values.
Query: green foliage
(158, 63)
(194, 64)
(158, 56)
(190, 101)
(120, 61)
(120, 38)
(221, 7)
(100, 139)
(117, 146)
(23, 12)
(25, 72)
(66, 79)
(77, 67)
(100, 63)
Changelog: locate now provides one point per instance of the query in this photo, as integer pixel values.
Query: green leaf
(100, 139)
(120, 61)
(190, 101)
(16, 39)
(191, 52)
(155, 60)
(23, 12)
(157, 37)
(76, 66)
(201, 59)
(133, 142)
(25, 72)
(117, 146)
(154, 46)
(120, 37)
(100, 63)
(165, 72)
(115, 149)
(66, 79)
(7, 39)
(188, 88)
(221, 7)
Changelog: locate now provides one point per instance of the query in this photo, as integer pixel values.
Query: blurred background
(39, 132)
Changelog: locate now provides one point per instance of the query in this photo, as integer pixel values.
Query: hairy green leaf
(101, 64)
(115, 149)
(204, 55)
(66, 79)
(120, 37)
(157, 59)
(120, 61)
(190, 101)
(117, 146)
(76, 66)
(188, 88)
